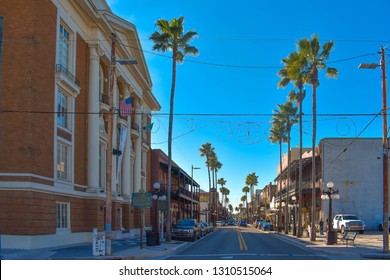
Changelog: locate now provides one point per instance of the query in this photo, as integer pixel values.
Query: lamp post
(382, 65)
(108, 216)
(157, 196)
(330, 194)
(192, 190)
(294, 203)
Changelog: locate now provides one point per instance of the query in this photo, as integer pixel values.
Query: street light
(382, 65)
(294, 203)
(192, 191)
(329, 195)
(158, 195)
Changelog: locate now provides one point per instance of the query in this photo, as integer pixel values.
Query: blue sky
(241, 45)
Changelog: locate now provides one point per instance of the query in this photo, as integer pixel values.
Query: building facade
(185, 191)
(355, 166)
(55, 113)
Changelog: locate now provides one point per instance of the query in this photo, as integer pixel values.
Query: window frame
(62, 216)
(67, 164)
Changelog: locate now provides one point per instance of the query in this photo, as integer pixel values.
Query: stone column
(93, 119)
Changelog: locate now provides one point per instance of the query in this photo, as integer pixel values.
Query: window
(62, 215)
(62, 110)
(63, 161)
(64, 47)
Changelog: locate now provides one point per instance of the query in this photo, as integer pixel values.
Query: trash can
(332, 238)
(152, 238)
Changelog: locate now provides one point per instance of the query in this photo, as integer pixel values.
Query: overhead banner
(122, 142)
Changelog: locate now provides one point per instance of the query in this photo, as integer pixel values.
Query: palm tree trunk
(208, 204)
(280, 187)
(313, 167)
(299, 233)
(169, 189)
(288, 178)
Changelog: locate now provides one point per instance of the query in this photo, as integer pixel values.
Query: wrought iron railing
(61, 68)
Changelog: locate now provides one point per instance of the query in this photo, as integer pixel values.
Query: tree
(293, 72)
(314, 59)
(287, 116)
(252, 180)
(278, 135)
(222, 189)
(207, 150)
(245, 190)
(171, 37)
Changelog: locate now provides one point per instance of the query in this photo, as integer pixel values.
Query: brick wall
(26, 139)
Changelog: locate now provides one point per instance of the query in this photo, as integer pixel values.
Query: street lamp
(382, 65)
(192, 190)
(329, 195)
(157, 196)
(294, 203)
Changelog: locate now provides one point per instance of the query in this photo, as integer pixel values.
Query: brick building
(54, 92)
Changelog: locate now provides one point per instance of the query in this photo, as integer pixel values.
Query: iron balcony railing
(61, 68)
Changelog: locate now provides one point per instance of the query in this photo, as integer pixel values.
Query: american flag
(125, 108)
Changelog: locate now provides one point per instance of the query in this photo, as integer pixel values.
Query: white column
(93, 120)
(138, 148)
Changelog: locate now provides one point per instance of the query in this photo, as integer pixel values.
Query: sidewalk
(123, 249)
(368, 245)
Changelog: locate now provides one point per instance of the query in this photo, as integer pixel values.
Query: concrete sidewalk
(123, 249)
(367, 245)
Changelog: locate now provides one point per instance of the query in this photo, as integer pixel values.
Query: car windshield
(351, 218)
(186, 222)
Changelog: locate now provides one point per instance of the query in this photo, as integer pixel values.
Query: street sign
(142, 200)
(162, 205)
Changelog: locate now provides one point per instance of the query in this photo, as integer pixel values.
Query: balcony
(67, 79)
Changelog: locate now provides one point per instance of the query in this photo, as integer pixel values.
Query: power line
(116, 111)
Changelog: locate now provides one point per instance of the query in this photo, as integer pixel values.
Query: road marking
(241, 240)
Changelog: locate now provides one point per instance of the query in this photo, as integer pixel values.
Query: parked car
(203, 229)
(187, 229)
(267, 226)
(220, 223)
(230, 222)
(242, 223)
(348, 222)
(210, 226)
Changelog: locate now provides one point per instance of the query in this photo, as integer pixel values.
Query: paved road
(238, 243)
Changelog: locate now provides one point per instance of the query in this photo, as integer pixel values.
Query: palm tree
(245, 190)
(252, 180)
(171, 37)
(314, 60)
(278, 135)
(230, 208)
(293, 72)
(223, 190)
(287, 115)
(207, 150)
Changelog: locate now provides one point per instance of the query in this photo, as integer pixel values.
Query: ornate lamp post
(158, 196)
(329, 195)
(294, 203)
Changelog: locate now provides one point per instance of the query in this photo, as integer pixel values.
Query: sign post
(142, 200)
